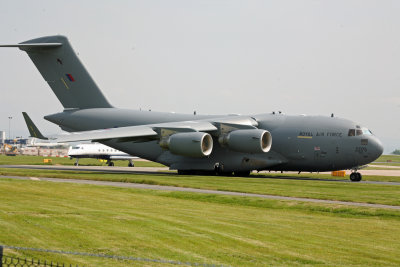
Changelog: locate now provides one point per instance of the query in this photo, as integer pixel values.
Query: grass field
(271, 183)
(356, 192)
(386, 164)
(199, 228)
(384, 167)
(38, 160)
(385, 158)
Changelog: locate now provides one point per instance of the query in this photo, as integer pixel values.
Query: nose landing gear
(355, 176)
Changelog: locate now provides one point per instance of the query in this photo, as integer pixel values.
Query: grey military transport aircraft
(190, 143)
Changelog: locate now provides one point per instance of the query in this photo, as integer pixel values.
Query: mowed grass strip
(384, 167)
(323, 176)
(387, 164)
(343, 191)
(190, 227)
(392, 158)
(38, 160)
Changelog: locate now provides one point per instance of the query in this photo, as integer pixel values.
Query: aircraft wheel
(355, 177)
(242, 173)
(111, 164)
(219, 168)
(75, 164)
(185, 172)
(131, 164)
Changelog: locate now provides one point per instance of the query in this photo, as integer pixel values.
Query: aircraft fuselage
(299, 143)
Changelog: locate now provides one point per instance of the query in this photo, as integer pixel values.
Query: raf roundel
(70, 78)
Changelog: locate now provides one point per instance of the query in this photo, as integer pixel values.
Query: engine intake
(247, 141)
(192, 144)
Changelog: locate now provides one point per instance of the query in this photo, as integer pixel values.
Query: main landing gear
(241, 173)
(130, 164)
(355, 176)
(218, 170)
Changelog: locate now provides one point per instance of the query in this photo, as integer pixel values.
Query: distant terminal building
(19, 141)
(46, 149)
(16, 141)
(22, 146)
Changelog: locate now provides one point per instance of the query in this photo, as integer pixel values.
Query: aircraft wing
(106, 134)
(120, 157)
(136, 133)
(143, 133)
(150, 132)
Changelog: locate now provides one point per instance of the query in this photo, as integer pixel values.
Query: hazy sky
(215, 57)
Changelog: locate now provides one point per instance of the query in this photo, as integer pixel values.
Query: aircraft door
(320, 156)
(324, 154)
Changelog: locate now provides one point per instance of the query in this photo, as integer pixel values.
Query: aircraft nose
(376, 147)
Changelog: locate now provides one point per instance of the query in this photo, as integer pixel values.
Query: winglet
(33, 130)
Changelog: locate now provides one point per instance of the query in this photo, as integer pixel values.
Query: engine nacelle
(191, 144)
(247, 141)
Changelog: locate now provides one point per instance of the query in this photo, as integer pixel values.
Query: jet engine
(191, 144)
(247, 141)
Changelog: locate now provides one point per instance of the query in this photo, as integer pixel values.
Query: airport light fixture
(9, 127)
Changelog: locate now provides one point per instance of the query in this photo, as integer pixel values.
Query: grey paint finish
(329, 147)
(299, 143)
(65, 74)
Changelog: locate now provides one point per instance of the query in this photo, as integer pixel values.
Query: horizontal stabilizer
(33, 130)
(61, 68)
(33, 45)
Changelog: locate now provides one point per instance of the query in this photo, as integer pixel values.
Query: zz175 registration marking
(361, 149)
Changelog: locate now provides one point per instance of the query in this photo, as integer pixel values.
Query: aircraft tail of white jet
(64, 72)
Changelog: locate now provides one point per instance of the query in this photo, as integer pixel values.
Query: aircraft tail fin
(33, 130)
(61, 68)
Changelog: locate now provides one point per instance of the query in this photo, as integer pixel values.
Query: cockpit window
(359, 131)
(366, 131)
(75, 147)
(352, 132)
